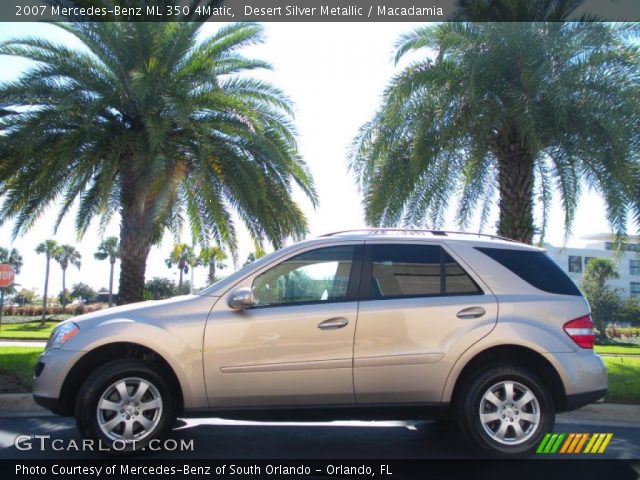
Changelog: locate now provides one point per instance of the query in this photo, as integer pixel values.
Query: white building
(573, 260)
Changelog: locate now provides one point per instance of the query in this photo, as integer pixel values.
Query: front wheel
(124, 405)
(506, 411)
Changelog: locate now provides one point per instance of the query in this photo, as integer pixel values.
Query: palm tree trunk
(135, 243)
(180, 280)
(46, 291)
(64, 289)
(212, 272)
(515, 181)
(113, 262)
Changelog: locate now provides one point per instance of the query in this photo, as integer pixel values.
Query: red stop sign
(7, 276)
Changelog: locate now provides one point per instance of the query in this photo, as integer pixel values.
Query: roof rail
(414, 230)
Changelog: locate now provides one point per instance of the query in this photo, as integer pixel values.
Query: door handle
(471, 312)
(333, 323)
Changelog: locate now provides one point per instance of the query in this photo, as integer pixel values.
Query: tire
(138, 406)
(510, 424)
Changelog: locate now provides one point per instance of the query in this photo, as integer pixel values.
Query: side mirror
(240, 299)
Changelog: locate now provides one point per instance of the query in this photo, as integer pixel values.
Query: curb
(23, 343)
(605, 412)
(19, 402)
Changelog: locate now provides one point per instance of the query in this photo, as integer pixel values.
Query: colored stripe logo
(574, 443)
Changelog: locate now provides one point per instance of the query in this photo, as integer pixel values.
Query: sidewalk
(23, 343)
(620, 355)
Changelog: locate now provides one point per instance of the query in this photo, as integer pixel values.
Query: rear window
(535, 268)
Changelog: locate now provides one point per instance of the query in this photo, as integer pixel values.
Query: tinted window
(316, 276)
(575, 264)
(535, 268)
(416, 270)
(457, 281)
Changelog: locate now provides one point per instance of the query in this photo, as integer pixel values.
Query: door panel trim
(288, 366)
(398, 360)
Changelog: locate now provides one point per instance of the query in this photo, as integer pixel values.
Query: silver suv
(382, 324)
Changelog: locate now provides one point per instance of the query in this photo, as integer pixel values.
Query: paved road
(220, 439)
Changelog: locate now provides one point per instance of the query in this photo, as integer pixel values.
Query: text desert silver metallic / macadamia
(298, 11)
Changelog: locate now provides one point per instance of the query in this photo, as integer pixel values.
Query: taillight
(581, 331)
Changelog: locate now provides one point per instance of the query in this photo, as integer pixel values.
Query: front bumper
(52, 404)
(51, 371)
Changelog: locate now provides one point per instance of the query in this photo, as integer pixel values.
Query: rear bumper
(578, 400)
(583, 375)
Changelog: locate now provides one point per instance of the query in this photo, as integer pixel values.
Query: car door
(294, 346)
(420, 310)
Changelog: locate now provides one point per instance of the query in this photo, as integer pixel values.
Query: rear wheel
(506, 411)
(124, 405)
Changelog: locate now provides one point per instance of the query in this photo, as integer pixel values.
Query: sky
(335, 74)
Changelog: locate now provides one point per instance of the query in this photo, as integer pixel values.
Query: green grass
(19, 363)
(624, 379)
(26, 331)
(626, 349)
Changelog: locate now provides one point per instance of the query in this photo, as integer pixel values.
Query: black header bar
(151, 468)
(275, 10)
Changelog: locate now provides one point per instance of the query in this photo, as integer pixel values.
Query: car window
(320, 275)
(535, 268)
(403, 270)
(457, 281)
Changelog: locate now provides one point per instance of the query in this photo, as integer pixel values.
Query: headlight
(61, 334)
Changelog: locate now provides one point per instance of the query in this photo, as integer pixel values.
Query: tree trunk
(515, 180)
(135, 241)
(46, 291)
(64, 290)
(113, 262)
(212, 272)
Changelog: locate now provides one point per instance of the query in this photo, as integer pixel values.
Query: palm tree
(183, 257)
(66, 255)
(49, 248)
(598, 271)
(605, 302)
(211, 257)
(511, 110)
(109, 248)
(155, 125)
(11, 257)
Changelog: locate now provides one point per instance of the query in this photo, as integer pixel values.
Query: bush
(36, 310)
(623, 332)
